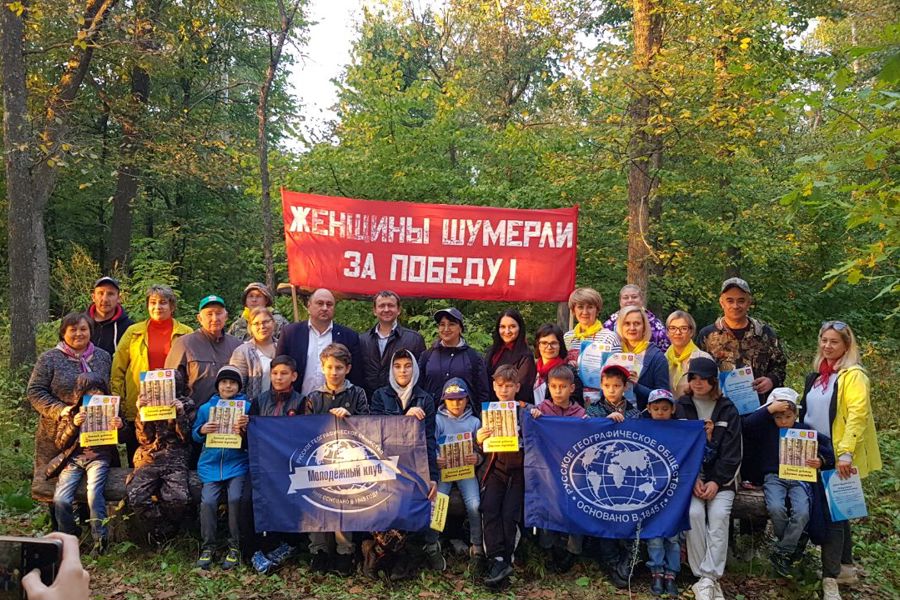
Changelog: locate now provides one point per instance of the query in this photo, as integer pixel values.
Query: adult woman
(51, 384)
(836, 403)
(680, 327)
(254, 357)
(511, 348)
(450, 356)
(586, 304)
(550, 351)
(255, 295)
(144, 347)
(633, 328)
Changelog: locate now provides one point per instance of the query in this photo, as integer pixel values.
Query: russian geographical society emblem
(342, 471)
(620, 476)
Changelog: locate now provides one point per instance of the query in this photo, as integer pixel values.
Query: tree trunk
(644, 150)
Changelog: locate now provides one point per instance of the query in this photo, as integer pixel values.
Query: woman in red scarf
(511, 348)
(550, 351)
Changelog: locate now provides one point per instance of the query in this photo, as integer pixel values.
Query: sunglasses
(836, 325)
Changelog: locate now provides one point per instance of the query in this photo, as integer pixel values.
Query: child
(763, 426)
(664, 553)
(615, 555)
(612, 404)
(502, 490)
(281, 400)
(707, 539)
(342, 399)
(561, 385)
(161, 467)
(222, 470)
(455, 416)
(74, 461)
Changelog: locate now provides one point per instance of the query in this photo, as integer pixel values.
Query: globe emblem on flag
(340, 451)
(620, 475)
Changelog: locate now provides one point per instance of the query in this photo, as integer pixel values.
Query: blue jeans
(788, 525)
(471, 495)
(97, 470)
(665, 555)
(209, 510)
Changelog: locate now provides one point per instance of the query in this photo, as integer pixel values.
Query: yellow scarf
(677, 362)
(582, 333)
(638, 348)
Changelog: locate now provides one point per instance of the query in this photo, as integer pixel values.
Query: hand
(815, 463)
(778, 406)
(616, 416)
(441, 462)
(118, 423)
(535, 413)
(699, 489)
(712, 488)
(416, 412)
(632, 376)
(179, 406)
(432, 490)
(242, 422)
(845, 468)
(142, 400)
(79, 418)
(470, 459)
(708, 427)
(762, 385)
(482, 434)
(65, 411)
(340, 412)
(72, 581)
(209, 428)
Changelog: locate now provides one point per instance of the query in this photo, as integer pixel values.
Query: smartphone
(19, 556)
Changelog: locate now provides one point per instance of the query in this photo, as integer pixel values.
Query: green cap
(211, 299)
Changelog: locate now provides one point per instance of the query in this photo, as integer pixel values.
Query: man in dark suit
(304, 342)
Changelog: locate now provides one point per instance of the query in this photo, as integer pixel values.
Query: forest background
(701, 139)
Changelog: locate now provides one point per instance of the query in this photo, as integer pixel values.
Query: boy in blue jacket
(222, 470)
(789, 502)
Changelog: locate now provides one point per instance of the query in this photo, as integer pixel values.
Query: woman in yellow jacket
(836, 403)
(144, 347)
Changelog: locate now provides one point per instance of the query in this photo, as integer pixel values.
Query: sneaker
(205, 560)
(657, 586)
(830, 589)
(320, 562)
(477, 561)
(781, 564)
(718, 594)
(342, 564)
(232, 559)
(280, 554)
(403, 570)
(436, 560)
(618, 578)
(671, 590)
(563, 560)
(499, 571)
(848, 575)
(704, 589)
(260, 562)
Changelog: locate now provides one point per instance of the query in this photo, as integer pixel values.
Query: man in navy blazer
(304, 342)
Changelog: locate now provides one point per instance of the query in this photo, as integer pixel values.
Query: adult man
(737, 340)
(110, 319)
(304, 342)
(200, 355)
(255, 294)
(632, 295)
(380, 343)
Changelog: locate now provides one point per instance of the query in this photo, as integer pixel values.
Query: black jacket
(108, 333)
(377, 364)
(439, 364)
(722, 457)
(267, 404)
(385, 401)
(762, 441)
(294, 342)
(322, 400)
(523, 360)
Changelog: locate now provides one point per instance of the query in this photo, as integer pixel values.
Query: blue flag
(321, 473)
(605, 479)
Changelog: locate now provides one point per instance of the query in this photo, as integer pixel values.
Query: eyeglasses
(678, 329)
(836, 325)
(548, 344)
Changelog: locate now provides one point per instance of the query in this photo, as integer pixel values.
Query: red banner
(430, 250)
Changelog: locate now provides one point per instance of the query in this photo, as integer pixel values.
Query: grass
(130, 572)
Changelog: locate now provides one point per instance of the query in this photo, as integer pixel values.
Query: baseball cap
(615, 366)
(455, 388)
(106, 280)
(735, 282)
(659, 395)
(211, 299)
(704, 367)
(451, 313)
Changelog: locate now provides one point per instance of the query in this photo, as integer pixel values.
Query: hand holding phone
(67, 578)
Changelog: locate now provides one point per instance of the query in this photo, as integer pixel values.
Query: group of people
(318, 366)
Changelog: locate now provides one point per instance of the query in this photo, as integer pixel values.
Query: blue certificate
(737, 386)
(845, 496)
